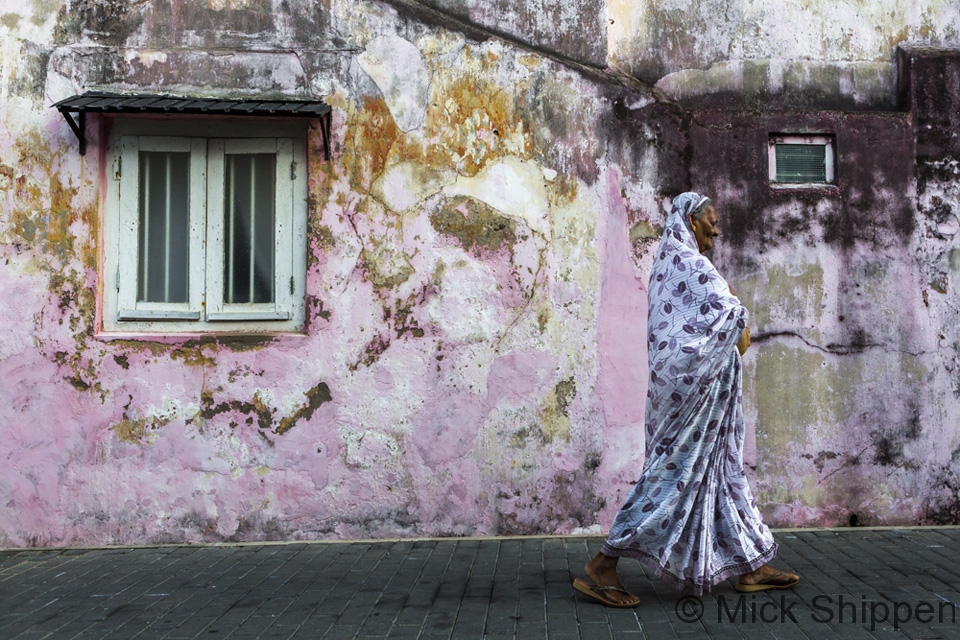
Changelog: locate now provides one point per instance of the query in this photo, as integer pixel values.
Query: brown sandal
(600, 593)
(766, 584)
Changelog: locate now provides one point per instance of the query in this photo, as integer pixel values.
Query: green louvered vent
(801, 163)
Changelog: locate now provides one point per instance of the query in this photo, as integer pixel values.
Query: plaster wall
(576, 30)
(473, 360)
(841, 386)
(466, 241)
(839, 55)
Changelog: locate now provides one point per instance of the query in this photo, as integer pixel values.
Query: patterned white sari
(692, 516)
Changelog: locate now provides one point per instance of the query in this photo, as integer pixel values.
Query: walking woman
(691, 516)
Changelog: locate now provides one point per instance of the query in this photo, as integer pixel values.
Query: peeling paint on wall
(658, 37)
(400, 73)
(473, 360)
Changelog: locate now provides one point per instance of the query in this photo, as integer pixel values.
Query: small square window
(801, 161)
(205, 231)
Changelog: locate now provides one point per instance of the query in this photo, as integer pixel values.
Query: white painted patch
(384, 395)
(470, 368)
(775, 74)
(723, 76)
(639, 102)
(171, 410)
(949, 227)
(405, 184)
(146, 58)
(549, 174)
(512, 186)
(234, 5)
(467, 306)
(592, 530)
(368, 449)
(398, 69)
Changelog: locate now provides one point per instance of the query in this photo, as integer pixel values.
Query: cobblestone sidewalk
(856, 584)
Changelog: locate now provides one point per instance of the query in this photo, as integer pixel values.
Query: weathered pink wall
(474, 357)
(455, 375)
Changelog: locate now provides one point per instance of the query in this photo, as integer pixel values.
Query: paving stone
(338, 632)
(500, 625)
(449, 588)
(590, 611)
(412, 616)
(534, 631)
(404, 632)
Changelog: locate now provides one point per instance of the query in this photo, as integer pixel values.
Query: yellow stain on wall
(470, 122)
(782, 292)
(134, 431)
(795, 390)
(369, 137)
(43, 217)
(554, 425)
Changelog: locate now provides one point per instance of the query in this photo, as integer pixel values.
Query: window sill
(249, 316)
(787, 187)
(148, 315)
(215, 336)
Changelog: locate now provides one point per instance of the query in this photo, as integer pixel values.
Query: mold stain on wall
(476, 225)
(446, 381)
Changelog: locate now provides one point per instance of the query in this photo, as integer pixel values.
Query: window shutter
(797, 163)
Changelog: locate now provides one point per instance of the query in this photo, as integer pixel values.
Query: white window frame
(821, 140)
(207, 143)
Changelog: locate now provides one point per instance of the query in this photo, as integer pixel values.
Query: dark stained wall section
(930, 89)
(182, 23)
(868, 204)
(575, 29)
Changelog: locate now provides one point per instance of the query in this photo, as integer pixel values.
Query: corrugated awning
(110, 103)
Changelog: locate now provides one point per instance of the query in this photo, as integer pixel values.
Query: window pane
(801, 163)
(164, 210)
(249, 214)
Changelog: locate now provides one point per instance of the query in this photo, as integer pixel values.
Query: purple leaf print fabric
(692, 516)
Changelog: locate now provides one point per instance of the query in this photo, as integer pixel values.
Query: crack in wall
(833, 348)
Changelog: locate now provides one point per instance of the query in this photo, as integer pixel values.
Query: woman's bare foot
(766, 577)
(602, 572)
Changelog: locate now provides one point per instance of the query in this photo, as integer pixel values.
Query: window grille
(164, 227)
(801, 160)
(249, 228)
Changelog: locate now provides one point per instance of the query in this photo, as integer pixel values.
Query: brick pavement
(491, 589)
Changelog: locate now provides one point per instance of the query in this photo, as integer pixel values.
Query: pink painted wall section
(623, 311)
(466, 256)
(473, 357)
(622, 345)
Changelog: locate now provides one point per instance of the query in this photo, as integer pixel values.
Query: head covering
(678, 222)
(687, 203)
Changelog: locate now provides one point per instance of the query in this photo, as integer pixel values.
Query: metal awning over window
(132, 104)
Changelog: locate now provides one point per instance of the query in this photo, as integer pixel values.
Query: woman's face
(705, 228)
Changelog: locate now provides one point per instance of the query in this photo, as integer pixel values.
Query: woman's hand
(744, 343)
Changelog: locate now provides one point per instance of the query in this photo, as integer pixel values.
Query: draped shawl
(691, 515)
